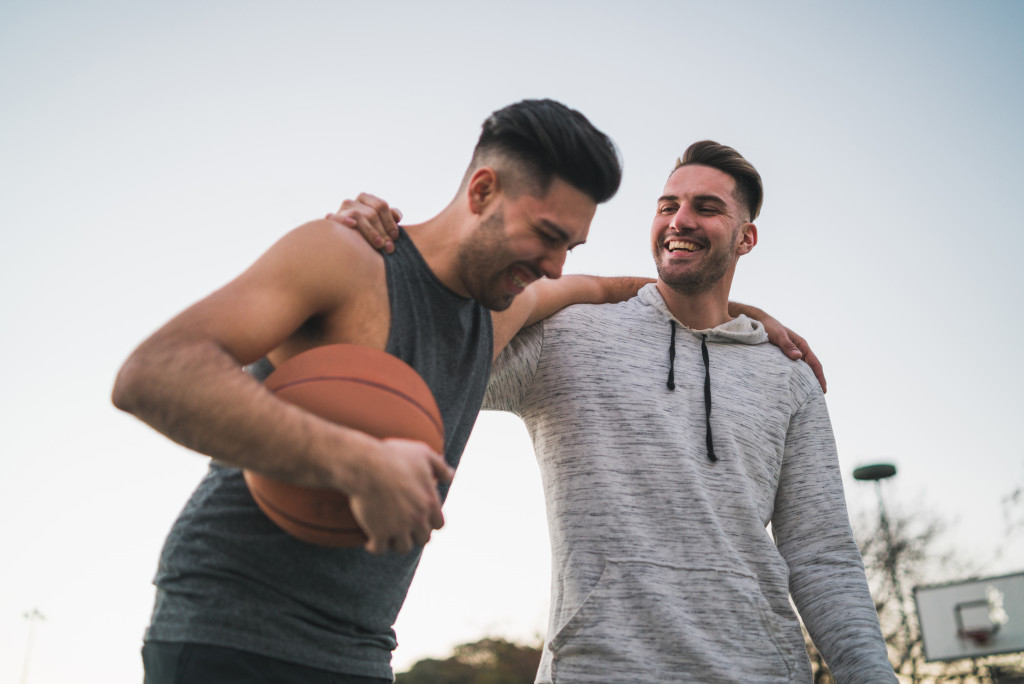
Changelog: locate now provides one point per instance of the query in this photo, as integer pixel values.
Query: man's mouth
(682, 246)
(519, 281)
(520, 278)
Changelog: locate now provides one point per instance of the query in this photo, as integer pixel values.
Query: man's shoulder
(611, 312)
(323, 236)
(764, 366)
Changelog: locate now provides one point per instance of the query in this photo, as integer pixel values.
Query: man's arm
(186, 382)
(812, 532)
(544, 298)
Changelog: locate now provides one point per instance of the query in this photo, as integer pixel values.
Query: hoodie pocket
(647, 621)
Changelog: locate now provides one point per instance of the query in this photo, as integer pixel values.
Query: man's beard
(480, 259)
(698, 280)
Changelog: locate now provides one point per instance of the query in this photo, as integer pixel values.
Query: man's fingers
(372, 217)
(819, 372)
(388, 222)
(376, 545)
(442, 471)
(420, 537)
(401, 543)
(436, 518)
(809, 357)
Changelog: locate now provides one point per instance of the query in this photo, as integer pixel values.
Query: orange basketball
(361, 388)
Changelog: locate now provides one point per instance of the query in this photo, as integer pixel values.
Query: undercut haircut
(749, 189)
(543, 139)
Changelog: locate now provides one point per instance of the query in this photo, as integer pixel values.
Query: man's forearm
(197, 395)
(554, 295)
(738, 309)
(547, 297)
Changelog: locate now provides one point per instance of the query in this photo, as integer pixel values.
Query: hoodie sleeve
(513, 371)
(812, 531)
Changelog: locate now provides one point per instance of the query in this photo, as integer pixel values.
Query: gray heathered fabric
(662, 569)
(229, 577)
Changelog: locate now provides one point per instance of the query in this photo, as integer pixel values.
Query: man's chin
(496, 303)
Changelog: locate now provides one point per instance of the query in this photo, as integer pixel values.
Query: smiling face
(523, 238)
(699, 230)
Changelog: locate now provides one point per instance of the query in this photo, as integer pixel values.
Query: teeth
(518, 281)
(674, 245)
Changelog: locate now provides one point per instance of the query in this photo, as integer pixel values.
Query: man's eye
(667, 209)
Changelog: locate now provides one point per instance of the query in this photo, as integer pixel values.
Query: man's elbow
(128, 386)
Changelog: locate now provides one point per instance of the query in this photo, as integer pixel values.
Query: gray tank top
(229, 577)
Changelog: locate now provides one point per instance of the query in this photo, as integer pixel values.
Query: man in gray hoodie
(669, 436)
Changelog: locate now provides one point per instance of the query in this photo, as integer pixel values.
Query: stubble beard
(479, 260)
(698, 280)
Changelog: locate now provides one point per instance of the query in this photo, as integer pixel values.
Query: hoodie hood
(740, 330)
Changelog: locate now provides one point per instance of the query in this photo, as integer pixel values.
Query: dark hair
(544, 139)
(749, 189)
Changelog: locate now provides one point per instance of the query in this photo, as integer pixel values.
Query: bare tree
(902, 550)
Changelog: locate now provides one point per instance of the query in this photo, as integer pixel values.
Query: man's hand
(372, 217)
(396, 502)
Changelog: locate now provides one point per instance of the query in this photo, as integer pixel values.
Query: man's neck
(700, 311)
(437, 241)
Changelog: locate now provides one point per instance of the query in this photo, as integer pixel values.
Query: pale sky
(150, 151)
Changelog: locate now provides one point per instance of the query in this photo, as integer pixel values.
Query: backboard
(973, 618)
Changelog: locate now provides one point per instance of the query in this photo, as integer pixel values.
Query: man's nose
(683, 218)
(552, 263)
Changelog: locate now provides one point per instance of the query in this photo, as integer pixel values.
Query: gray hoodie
(662, 568)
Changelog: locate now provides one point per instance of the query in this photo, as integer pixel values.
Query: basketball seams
(369, 383)
(304, 523)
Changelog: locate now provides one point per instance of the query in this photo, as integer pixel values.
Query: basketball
(362, 388)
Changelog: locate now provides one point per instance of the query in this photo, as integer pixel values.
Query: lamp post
(876, 473)
(33, 616)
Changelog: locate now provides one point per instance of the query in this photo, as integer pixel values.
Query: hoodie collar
(740, 330)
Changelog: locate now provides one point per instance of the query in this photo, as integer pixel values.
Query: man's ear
(483, 188)
(748, 238)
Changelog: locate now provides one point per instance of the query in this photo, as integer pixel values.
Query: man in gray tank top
(239, 600)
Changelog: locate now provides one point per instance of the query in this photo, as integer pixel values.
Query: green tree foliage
(488, 661)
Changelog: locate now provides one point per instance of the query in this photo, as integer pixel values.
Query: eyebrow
(560, 232)
(698, 198)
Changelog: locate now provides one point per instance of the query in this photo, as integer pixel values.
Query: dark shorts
(173, 663)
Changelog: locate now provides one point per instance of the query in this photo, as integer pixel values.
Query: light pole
(33, 616)
(876, 473)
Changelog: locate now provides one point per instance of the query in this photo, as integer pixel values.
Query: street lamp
(876, 473)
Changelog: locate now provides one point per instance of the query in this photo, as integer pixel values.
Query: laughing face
(522, 239)
(698, 230)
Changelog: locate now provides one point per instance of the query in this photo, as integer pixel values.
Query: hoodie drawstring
(707, 397)
(671, 384)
